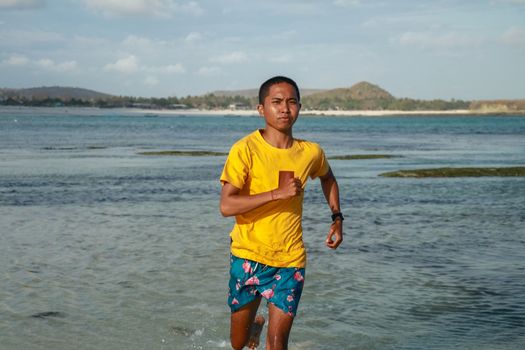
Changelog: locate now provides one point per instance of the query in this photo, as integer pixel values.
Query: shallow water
(101, 247)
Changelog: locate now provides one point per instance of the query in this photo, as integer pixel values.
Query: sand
(229, 112)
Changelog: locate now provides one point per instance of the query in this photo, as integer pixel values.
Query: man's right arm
(234, 203)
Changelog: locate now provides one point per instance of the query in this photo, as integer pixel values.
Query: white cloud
(143, 8)
(21, 4)
(437, 41)
(44, 63)
(66, 66)
(151, 80)
(168, 69)
(346, 3)
(208, 71)
(130, 65)
(514, 36)
(193, 37)
(230, 58)
(132, 40)
(90, 42)
(124, 65)
(143, 42)
(192, 7)
(517, 2)
(174, 68)
(28, 38)
(17, 60)
(286, 58)
(49, 64)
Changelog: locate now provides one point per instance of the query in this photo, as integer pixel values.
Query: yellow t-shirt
(271, 234)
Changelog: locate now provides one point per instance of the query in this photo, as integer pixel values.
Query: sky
(425, 49)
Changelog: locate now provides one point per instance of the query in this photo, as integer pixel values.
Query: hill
(363, 95)
(360, 91)
(54, 92)
(498, 106)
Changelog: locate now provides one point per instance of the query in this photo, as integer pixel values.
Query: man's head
(265, 87)
(279, 103)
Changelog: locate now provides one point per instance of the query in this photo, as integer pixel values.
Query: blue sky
(421, 49)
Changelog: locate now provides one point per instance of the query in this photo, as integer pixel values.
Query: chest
(265, 167)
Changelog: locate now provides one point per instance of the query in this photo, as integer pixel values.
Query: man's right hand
(290, 188)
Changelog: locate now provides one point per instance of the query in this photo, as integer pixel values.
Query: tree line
(212, 101)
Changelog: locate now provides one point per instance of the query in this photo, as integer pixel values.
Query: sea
(104, 247)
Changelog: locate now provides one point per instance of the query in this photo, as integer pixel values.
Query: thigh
(286, 288)
(279, 327)
(241, 322)
(241, 291)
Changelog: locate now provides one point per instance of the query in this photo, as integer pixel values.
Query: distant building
(142, 105)
(177, 106)
(238, 106)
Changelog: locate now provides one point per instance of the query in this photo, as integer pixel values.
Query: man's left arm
(331, 193)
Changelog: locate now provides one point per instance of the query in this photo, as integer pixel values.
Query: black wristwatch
(337, 215)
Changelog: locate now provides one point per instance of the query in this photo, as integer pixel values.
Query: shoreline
(254, 113)
(315, 113)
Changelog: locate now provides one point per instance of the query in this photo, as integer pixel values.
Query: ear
(260, 109)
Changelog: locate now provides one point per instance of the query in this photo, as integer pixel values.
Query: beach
(338, 113)
(250, 112)
(223, 112)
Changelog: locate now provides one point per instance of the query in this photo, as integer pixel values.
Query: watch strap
(337, 215)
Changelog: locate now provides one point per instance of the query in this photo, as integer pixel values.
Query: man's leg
(279, 327)
(243, 327)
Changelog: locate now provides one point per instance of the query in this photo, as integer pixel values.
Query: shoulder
(309, 146)
(246, 142)
(244, 148)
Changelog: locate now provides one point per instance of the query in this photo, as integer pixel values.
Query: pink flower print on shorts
(298, 276)
(247, 267)
(250, 280)
(268, 293)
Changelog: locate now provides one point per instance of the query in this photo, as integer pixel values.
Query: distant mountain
(498, 106)
(363, 96)
(59, 92)
(360, 91)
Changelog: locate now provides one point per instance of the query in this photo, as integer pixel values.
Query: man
(263, 181)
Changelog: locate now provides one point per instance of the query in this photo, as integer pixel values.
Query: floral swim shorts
(250, 280)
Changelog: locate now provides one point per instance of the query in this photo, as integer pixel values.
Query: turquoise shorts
(250, 280)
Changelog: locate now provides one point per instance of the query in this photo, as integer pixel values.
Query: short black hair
(264, 90)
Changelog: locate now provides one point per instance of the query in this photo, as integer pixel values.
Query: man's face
(281, 107)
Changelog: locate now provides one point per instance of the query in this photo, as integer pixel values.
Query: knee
(277, 342)
(237, 345)
(239, 341)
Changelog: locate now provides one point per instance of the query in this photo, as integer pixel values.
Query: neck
(278, 138)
